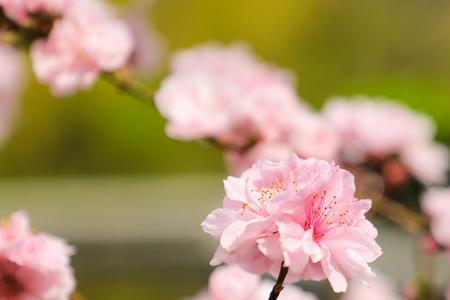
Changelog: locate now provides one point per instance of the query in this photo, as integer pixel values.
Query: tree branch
(400, 214)
(278, 287)
(132, 88)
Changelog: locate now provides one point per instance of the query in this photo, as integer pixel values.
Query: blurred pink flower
(302, 212)
(428, 244)
(311, 136)
(88, 40)
(149, 47)
(233, 283)
(20, 10)
(436, 205)
(11, 81)
(307, 136)
(234, 62)
(33, 265)
(226, 94)
(238, 162)
(377, 289)
(382, 129)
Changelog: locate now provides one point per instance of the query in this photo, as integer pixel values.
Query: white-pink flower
(20, 10)
(226, 94)
(436, 205)
(149, 47)
(381, 129)
(311, 136)
(377, 289)
(88, 40)
(307, 136)
(33, 265)
(238, 162)
(300, 212)
(233, 283)
(11, 81)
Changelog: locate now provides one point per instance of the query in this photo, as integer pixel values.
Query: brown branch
(400, 214)
(278, 287)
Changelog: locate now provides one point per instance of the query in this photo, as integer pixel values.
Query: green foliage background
(399, 49)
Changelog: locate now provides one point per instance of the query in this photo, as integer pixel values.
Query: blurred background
(98, 168)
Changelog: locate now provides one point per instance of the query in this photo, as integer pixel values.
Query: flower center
(265, 194)
(323, 214)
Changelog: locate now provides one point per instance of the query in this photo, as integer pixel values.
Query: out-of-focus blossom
(20, 10)
(149, 44)
(436, 205)
(33, 265)
(250, 108)
(428, 162)
(226, 94)
(88, 40)
(233, 283)
(235, 62)
(274, 151)
(11, 80)
(302, 212)
(311, 136)
(428, 244)
(377, 289)
(381, 129)
(307, 136)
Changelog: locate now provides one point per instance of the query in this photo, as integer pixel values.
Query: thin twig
(278, 287)
(132, 88)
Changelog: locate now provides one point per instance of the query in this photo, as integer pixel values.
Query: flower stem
(132, 88)
(278, 287)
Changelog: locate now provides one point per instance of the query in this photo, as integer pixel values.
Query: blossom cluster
(229, 96)
(233, 283)
(291, 206)
(377, 130)
(33, 265)
(299, 213)
(79, 39)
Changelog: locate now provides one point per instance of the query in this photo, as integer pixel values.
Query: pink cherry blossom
(226, 94)
(238, 162)
(311, 136)
(305, 134)
(235, 62)
(149, 47)
(381, 129)
(88, 40)
(20, 10)
(33, 265)
(233, 283)
(377, 289)
(300, 212)
(11, 81)
(436, 205)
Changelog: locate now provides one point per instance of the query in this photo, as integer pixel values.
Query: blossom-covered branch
(72, 42)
